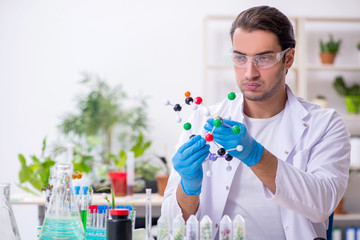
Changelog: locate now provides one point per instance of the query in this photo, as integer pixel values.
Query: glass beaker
(8, 227)
(62, 217)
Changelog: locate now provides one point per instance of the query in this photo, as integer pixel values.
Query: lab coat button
(227, 188)
(216, 225)
(286, 152)
(286, 228)
(305, 125)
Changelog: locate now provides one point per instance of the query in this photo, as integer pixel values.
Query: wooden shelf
(347, 217)
(334, 67)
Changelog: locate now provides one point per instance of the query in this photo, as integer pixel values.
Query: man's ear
(290, 57)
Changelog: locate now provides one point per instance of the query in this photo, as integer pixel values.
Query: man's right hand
(188, 163)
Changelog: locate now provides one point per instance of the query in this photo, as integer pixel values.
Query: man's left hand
(251, 152)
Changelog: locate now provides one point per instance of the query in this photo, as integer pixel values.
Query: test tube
(106, 216)
(91, 220)
(84, 205)
(77, 196)
(99, 220)
(148, 215)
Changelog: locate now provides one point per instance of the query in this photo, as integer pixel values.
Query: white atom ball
(178, 119)
(239, 148)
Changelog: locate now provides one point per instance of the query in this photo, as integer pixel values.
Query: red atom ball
(209, 137)
(198, 100)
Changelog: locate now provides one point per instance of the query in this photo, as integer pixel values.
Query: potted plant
(103, 121)
(162, 176)
(118, 174)
(34, 177)
(328, 50)
(351, 94)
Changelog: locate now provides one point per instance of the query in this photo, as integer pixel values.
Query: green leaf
(43, 147)
(24, 174)
(35, 159)
(22, 159)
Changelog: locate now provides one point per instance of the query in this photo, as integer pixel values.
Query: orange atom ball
(187, 94)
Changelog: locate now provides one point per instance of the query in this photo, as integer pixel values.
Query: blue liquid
(65, 228)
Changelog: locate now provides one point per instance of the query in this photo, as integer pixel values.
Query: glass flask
(8, 227)
(62, 217)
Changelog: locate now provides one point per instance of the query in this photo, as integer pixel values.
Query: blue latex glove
(252, 150)
(187, 162)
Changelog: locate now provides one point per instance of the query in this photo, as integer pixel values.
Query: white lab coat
(312, 173)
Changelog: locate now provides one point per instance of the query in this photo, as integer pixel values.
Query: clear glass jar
(8, 226)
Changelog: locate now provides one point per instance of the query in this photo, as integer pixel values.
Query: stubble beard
(265, 95)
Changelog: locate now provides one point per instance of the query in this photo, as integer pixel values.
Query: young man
(293, 168)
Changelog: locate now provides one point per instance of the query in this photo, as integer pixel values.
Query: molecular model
(218, 121)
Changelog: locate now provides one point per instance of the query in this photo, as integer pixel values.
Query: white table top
(138, 198)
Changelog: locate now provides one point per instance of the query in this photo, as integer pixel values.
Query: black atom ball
(189, 100)
(228, 157)
(221, 151)
(177, 108)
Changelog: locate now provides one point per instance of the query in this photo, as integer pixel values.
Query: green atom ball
(231, 96)
(236, 129)
(217, 122)
(187, 126)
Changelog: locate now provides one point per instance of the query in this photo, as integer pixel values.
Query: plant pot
(161, 183)
(352, 104)
(327, 58)
(339, 209)
(118, 182)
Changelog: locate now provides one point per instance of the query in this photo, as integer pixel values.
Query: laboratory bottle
(8, 227)
(62, 218)
(119, 225)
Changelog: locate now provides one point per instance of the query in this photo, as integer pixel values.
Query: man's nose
(251, 71)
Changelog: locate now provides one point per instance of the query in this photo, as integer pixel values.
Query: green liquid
(66, 228)
(83, 217)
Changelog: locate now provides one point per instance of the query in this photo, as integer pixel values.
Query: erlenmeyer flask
(62, 217)
(8, 227)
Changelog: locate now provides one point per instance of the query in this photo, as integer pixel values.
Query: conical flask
(8, 227)
(62, 217)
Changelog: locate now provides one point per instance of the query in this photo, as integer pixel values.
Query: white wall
(152, 48)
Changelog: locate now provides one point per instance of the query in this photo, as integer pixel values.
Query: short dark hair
(267, 19)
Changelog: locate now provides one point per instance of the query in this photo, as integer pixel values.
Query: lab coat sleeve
(317, 179)
(170, 207)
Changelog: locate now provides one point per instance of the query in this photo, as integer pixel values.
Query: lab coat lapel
(292, 127)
